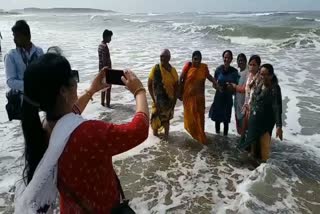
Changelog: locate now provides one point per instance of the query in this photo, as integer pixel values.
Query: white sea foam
(136, 20)
(154, 14)
(307, 19)
(243, 40)
(239, 15)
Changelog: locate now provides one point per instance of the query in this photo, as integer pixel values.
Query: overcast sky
(170, 5)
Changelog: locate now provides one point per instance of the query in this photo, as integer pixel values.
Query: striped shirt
(104, 56)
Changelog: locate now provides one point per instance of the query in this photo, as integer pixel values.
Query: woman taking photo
(72, 154)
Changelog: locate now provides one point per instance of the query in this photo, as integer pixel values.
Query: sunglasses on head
(75, 75)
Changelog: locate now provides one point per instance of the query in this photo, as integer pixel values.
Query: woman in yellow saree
(163, 85)
(192, 84)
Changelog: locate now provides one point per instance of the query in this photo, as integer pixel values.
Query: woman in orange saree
(192, 84)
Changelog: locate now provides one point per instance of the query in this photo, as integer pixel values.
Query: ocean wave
(240, 15)
(299, 42)
(296, 41)
(100, 18)
(136, 20)
(188, 27)
(154, 14)
(308, 19)
(251, 31)
(309, 40)
(284, 37)
(248, 15)
(243, 40)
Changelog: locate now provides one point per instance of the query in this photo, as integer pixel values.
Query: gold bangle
(89, 94)
(138, 90)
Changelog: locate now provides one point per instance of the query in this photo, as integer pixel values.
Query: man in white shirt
(17, 60)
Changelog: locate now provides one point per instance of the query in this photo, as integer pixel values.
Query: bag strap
(25, 59)
(123, 197)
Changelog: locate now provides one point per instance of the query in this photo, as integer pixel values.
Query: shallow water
(182, 176)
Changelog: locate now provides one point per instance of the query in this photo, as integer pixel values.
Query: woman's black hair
(255, 58)
(270, 69)
(197, 53)
(227, 51)
(43, 80)
(242, 55)
(22, 27)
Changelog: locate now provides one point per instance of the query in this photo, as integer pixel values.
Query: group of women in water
(79, 152)
(253, 91)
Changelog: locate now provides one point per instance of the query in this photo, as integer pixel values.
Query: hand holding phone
(114, 77)
(132, 82)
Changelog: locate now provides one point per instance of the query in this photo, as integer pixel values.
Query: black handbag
(123, 207)
(14, 105)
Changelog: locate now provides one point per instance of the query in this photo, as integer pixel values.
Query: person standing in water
(17, 60)
(221, 108)
(192, 85)
(240, 90)
(265, 113)
(163, 86)
(105, 61)
(15, 64)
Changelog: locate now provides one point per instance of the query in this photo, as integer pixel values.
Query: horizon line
(231, 11)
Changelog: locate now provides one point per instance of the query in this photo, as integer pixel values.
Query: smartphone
(114, 77)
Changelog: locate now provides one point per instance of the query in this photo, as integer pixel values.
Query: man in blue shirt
(17, 60)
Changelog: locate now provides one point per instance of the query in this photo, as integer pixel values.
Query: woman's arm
(182, 80)
(82, 102)
(102, 139)
(277, 110)
(96, 85)
(135, 86)
(150, 89)
(277, 105)
(127, 136)
(240, 88)
(211, 78)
